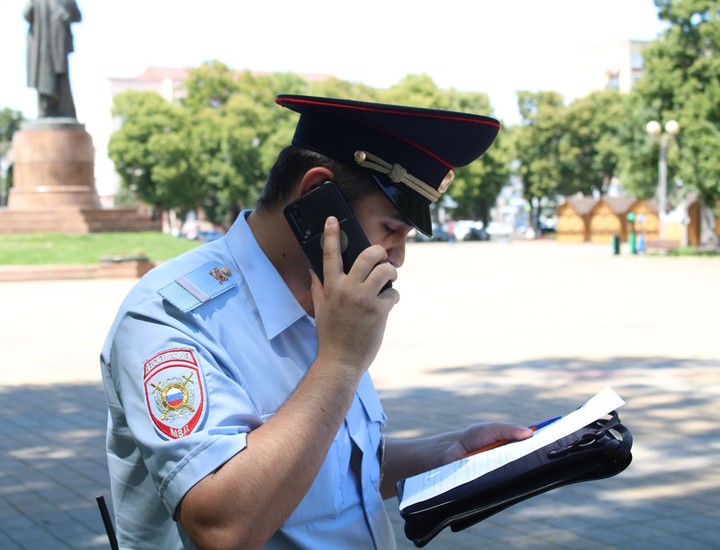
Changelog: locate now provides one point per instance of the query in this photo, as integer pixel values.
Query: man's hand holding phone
(350, 310)
(307, 217)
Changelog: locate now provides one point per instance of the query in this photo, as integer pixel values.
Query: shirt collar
(276, 305)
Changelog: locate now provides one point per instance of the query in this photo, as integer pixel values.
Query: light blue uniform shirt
(188, 375)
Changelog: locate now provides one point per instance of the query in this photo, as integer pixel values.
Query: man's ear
(314, 178)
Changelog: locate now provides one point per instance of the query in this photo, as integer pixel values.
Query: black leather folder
(599, 450)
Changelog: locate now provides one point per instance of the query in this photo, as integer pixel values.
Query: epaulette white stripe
(192, 289)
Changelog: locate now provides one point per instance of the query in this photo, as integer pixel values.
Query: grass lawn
(54, 248)
(689, 251)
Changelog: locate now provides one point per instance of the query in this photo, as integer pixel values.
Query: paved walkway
(484, 331)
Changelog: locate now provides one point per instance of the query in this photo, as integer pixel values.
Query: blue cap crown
(410, 152)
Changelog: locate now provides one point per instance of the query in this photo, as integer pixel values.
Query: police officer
(241, 412)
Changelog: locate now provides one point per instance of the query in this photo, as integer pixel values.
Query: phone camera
(301, 223)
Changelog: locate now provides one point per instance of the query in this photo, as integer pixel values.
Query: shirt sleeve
(184, 410)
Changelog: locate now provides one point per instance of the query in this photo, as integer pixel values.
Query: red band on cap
(413, 113)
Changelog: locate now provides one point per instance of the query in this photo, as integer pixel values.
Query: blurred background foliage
(213, 149)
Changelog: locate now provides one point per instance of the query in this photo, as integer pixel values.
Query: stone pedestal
(54, 185)
(53, 166)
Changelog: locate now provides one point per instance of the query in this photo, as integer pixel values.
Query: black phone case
(307, 216)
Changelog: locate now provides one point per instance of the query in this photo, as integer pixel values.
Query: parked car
(548, 225)
(470, 230)
(476, 234)
(464, 230)
(461, 227)
(500, 229)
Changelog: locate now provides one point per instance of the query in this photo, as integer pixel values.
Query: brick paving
(484, 331)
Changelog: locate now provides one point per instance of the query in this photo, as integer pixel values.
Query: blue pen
(502, 442)
(544, 423)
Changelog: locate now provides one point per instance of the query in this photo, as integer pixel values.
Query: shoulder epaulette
(197, 287)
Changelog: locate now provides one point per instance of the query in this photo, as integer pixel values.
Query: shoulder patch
(174, 392)
(197, 287)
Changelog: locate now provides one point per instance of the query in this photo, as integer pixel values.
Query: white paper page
(439, 480)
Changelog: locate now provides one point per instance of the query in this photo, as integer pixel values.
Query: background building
(611, 67)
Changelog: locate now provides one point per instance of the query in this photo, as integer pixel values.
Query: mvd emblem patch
(174, 391)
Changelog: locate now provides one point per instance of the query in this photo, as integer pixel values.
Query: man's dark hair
(291, 165)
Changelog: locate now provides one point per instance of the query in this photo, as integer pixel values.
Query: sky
(496, 47)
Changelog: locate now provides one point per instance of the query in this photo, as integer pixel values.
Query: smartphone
(307, 216)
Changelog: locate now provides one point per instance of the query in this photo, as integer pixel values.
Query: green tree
(682, 82)
(334, 87)
(235, 134)
(210, 85)
(416, 90)
(590, 147)
(477, 185)
(538, 142)
(638, 166)
(214, 149)
(153, 151)
(10, 122)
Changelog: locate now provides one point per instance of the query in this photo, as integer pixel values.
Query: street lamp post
(672, 128)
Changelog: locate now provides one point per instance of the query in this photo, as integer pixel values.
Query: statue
(50, 42)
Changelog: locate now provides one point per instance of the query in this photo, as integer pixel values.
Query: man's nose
(396, 253)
